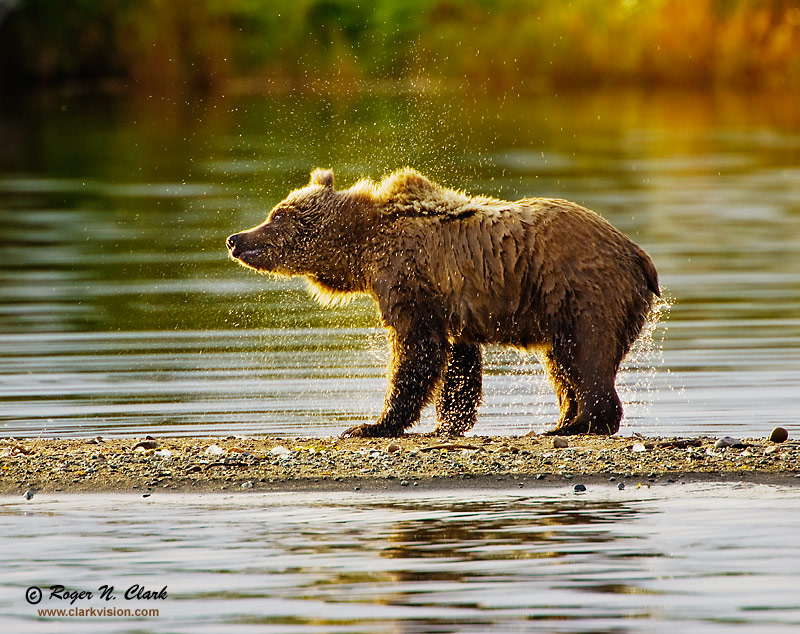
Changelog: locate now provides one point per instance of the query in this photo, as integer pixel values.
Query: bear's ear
(322, 177)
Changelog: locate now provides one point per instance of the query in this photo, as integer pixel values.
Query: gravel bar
(147, 465)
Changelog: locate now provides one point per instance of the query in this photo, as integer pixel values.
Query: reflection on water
(695, 557)
(121, 313)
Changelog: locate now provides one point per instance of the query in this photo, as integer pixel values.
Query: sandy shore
(261, 463)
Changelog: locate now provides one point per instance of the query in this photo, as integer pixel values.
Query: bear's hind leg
(458, 400)
(418, 363)
(567, 402)
(590, 371)
(599, 412)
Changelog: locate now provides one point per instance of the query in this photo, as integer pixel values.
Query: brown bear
(452, 272)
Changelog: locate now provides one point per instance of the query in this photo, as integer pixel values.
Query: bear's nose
(231, 241)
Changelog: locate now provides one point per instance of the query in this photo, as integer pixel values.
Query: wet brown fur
(451, 273)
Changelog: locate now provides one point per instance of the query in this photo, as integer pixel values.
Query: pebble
(728, 441)
(621, 486)
(404, 483)
(560, 443)
(29, 494)
(638, 448)
(779, 434)
(279, 451)
(247, 485)
(579, 488)
(145, 444)
(214, 450)
(392, 447)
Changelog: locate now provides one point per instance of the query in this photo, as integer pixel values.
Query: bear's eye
(282, 214)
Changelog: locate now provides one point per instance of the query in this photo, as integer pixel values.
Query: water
(120, 314)
(694, 557)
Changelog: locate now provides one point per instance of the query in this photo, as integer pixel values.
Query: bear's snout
(231, 241)
(250, 249)
(239, 247)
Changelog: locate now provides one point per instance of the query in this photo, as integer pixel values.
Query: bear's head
(311, 232)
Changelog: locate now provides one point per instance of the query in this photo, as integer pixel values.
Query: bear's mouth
(245, 256)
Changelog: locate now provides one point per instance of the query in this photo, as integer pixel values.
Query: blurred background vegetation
(220, 45)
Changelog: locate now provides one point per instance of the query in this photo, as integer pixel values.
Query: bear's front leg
(419, 355)
(458, 400)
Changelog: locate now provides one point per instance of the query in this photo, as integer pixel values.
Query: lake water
(121, 314)
(693, 558)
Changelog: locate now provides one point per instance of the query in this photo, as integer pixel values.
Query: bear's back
(496, 264)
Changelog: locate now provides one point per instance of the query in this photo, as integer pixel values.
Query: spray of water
(636, 381)
(518, 395)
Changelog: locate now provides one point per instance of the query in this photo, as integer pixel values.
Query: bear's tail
(649, 270)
